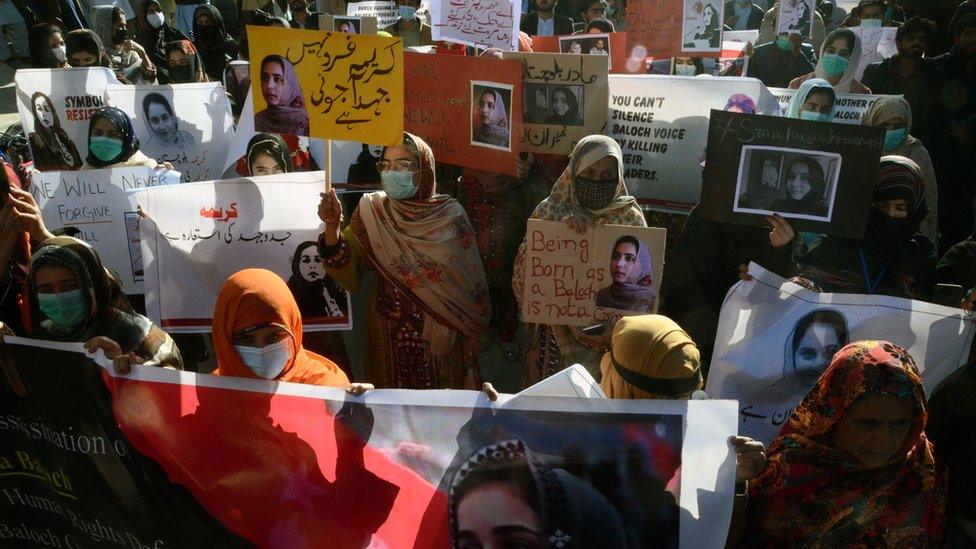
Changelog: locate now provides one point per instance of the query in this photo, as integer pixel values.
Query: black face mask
(119, 36)
(180, 74)
(885, 231)
(207, 35)
(595, 194)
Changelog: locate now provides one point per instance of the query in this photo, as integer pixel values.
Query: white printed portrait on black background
(167, 141)
(632, 277)
(791, 182)
(491, 124)
(52, 147)
(590, 44)
(315, 292)
(701, 27)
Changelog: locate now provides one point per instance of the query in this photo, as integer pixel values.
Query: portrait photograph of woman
(50, 144)
(491, 123)
(564, 104)
(632, 275)
(791, 182)
(285, 112)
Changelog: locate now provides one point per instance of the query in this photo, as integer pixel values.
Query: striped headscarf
(900, 177)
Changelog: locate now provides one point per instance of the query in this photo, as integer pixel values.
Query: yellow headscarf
(651, 357)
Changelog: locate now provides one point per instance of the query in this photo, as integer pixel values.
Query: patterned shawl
(812, 493)
(426, 248)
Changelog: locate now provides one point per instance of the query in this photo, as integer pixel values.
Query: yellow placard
(327, 84)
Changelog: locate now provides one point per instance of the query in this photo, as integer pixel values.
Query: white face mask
(60, 53)
(266, 362)
(156, 19)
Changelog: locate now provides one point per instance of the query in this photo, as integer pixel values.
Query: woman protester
(128, 59)
(52, 147)
(813, 101)
(113, 144)
(893, 258)
(212, 41)
(430, 304)
(837, 64)
(590, 192)
(84, 49)
(687, 66)
(75, 298)
(492, 128)
(894, 115)
(183, 63)
(285, 112)
(852, 467)
(46, 45)
(153, 34)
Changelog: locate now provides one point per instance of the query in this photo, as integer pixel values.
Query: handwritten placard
(452, 98)
(197, 237)
(564, 99)
(585, 279)
(100, 205)
(849, 108)
(485, 23)
(385, 11)
(653, 30)
(331, 85)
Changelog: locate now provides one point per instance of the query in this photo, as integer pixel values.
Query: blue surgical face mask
(398, 185)
(783, 43)
(685, 70)
(894, 138)
(814, 116)
(833, 64)
(870, 22)
(610, 11)
(66, 310)
(266, 362)
(105, 149)
(407, 12)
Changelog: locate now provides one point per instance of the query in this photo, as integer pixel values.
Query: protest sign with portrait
(331, 85)
(564, 99)
(669, 28)
(795, 17)
(775, 338)
(586, 279)
(877, 44)
(482, 23)
(615, 44)
(701, 30)
(55, 106)
(818, 175)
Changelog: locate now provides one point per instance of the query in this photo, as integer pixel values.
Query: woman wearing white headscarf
(285, 112)
(839, 56)
(590, 192)
(492, 117)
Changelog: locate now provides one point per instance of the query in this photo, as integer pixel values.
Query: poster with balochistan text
(482, 23)
(775, 338)
(196, 238)
(55, 106)
(247, 462)
(187, 125)
(332, 85)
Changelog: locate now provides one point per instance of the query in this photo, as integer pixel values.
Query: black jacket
(530, 24)
(883, 78)
(755, 17)
(776, 68)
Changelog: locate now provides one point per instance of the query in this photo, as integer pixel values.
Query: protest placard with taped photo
(348, 24)
(572, 105)
(588, 279)
(330, 85)
(795, 17)
(187, 125)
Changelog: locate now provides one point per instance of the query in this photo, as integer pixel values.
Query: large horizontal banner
(661, 123)
(285, 465)
(818, 175)
(564, 99)
(332, 85)
(849, 108)
(484, 23)
(187, 125)
(99, 204)
(466, 108)
(55, 106)
(587, 279)
(775, 338)
(196, 238)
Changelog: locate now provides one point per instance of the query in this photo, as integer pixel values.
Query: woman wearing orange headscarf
(257, 333)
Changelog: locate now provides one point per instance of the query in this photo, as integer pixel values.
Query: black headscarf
(87, 41)
(213, 42)
(130, 143)
(196, 70)
(155, 40)
(40, 55)
(271, 145)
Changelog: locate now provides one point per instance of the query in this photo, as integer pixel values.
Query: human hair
(273, 58)
(570, 98)
(297, 258)
(830, 317)
(846, 34)
(626, 239)
(603, 25)
(823, 90)
(914, 25)
(154, 97)
(816, 173)
(587, 4)
(696, 61)
(50, 104)
(514, 473)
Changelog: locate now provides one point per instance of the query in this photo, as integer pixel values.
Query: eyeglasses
(402, 165)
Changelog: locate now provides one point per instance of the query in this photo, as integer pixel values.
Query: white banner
(99, 203)
(849, 108)
(661, 123)
(385, 11)
(188, 125)
(54, 106)
(201, 234)
(775, 338)
(485, 23)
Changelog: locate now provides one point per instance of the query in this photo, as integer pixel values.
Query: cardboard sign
(661, 123)
(100, 204)
(818, 175)
(188, 125)
(483, 23)
(795, 17)
(55, 106)
(670, 28)
(331, 85)
(585, 279)
(195, 239)
(849, 108)
(348, 24)
(616, 47)
(466, 108)
(564, 99)
(769, 372)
